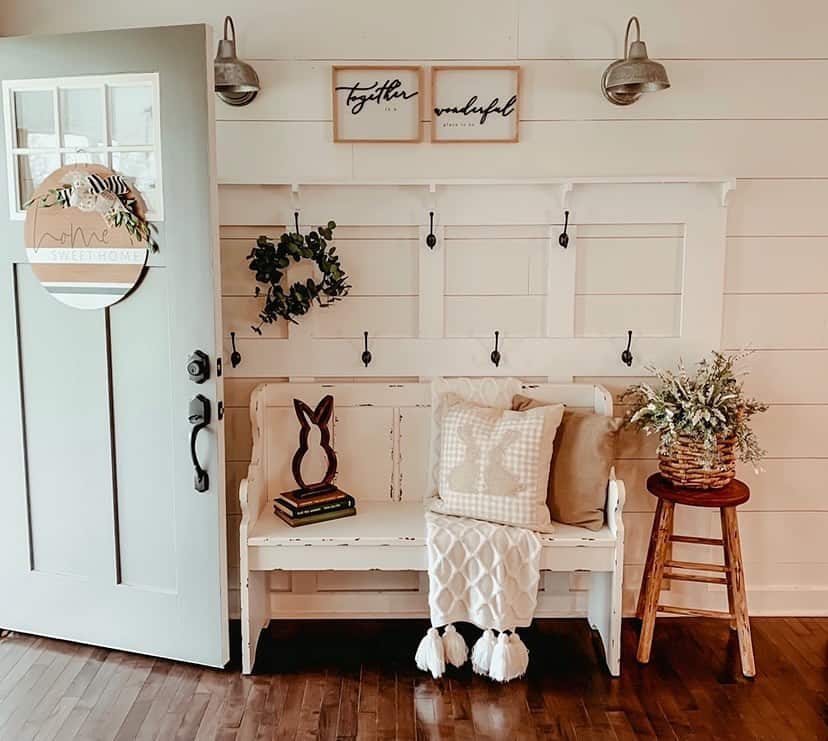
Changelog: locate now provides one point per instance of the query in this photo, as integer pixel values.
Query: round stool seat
(733, 494)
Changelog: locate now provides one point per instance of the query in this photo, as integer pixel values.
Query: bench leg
(255, 615)
(604, 612)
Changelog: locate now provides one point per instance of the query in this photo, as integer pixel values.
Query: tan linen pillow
(494, 464)
(582, 456)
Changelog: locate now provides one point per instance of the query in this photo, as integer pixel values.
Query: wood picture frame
(377, 104)
(475, 104)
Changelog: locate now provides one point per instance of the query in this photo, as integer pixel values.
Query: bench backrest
(380, 431)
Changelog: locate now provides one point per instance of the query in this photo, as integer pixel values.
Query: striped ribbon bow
(113, 183)
(91, 192)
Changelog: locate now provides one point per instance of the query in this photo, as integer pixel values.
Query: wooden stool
(726, 499)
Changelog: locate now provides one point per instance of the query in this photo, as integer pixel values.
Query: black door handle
(199, 416)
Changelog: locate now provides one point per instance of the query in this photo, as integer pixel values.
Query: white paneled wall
(747, 101)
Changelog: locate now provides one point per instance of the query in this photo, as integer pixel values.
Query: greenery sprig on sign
(269, 261)
(123, 213)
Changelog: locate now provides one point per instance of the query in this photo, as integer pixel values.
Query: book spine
(312, 493)
(335, 496)
(298, 512)
(322, 517)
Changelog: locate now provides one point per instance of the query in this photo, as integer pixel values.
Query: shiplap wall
(747, 101)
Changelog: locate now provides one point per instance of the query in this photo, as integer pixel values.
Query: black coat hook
(563, 238)
(296, 220)
(431, 240)
(366, 354)
(235, 356)
(627, 356)
(496, 356)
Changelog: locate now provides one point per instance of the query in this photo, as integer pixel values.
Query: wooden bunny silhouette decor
(320, 417)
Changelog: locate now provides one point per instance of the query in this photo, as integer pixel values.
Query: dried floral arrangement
(707, 406)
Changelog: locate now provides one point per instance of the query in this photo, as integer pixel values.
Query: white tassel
(454, 647)
(510, 658)
(430, 656)
(482, 653)
(498, 668)
(519, 656)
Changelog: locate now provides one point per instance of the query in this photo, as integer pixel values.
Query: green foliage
(705, 406)
(139, 229)
(270, 262)
(52, 197)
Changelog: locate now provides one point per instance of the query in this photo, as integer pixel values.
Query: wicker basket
(687, 465)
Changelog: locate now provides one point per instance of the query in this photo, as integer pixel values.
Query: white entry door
(103, 536)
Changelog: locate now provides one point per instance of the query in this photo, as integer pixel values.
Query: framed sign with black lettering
(377, 104)
(475, 104)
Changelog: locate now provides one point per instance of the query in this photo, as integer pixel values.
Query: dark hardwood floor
(355, 680)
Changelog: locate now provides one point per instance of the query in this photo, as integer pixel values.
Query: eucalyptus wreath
(269, 261)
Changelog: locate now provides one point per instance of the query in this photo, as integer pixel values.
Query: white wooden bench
(388, 532)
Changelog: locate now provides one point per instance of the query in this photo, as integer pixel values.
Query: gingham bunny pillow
(494, 464)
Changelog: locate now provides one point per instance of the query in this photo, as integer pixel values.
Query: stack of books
(306, 506)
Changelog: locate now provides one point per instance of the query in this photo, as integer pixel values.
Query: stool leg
(736, 582)
(648, 564)
(663, 528)
(730, 602)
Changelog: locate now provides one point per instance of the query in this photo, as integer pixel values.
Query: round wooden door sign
(86, 235)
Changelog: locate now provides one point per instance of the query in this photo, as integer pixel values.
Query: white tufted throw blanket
(481, 573)
(478, 572)
(485, 574)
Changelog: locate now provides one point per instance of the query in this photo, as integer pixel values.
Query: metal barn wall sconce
(236, 82)
(625, 79)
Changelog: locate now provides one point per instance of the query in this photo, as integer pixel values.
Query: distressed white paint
(388, 534)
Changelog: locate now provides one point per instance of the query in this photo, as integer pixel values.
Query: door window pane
(81, 117)
(35, 118)
(75, 158)
(82, 123)
(32, 170)
(131, 115)
(140, 167)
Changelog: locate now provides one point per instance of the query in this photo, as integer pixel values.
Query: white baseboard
(763, 601)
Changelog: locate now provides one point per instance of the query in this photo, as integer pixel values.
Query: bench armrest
(616, 496)
(253, 488)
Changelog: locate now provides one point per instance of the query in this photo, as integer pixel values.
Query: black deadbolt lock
(198, 366)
